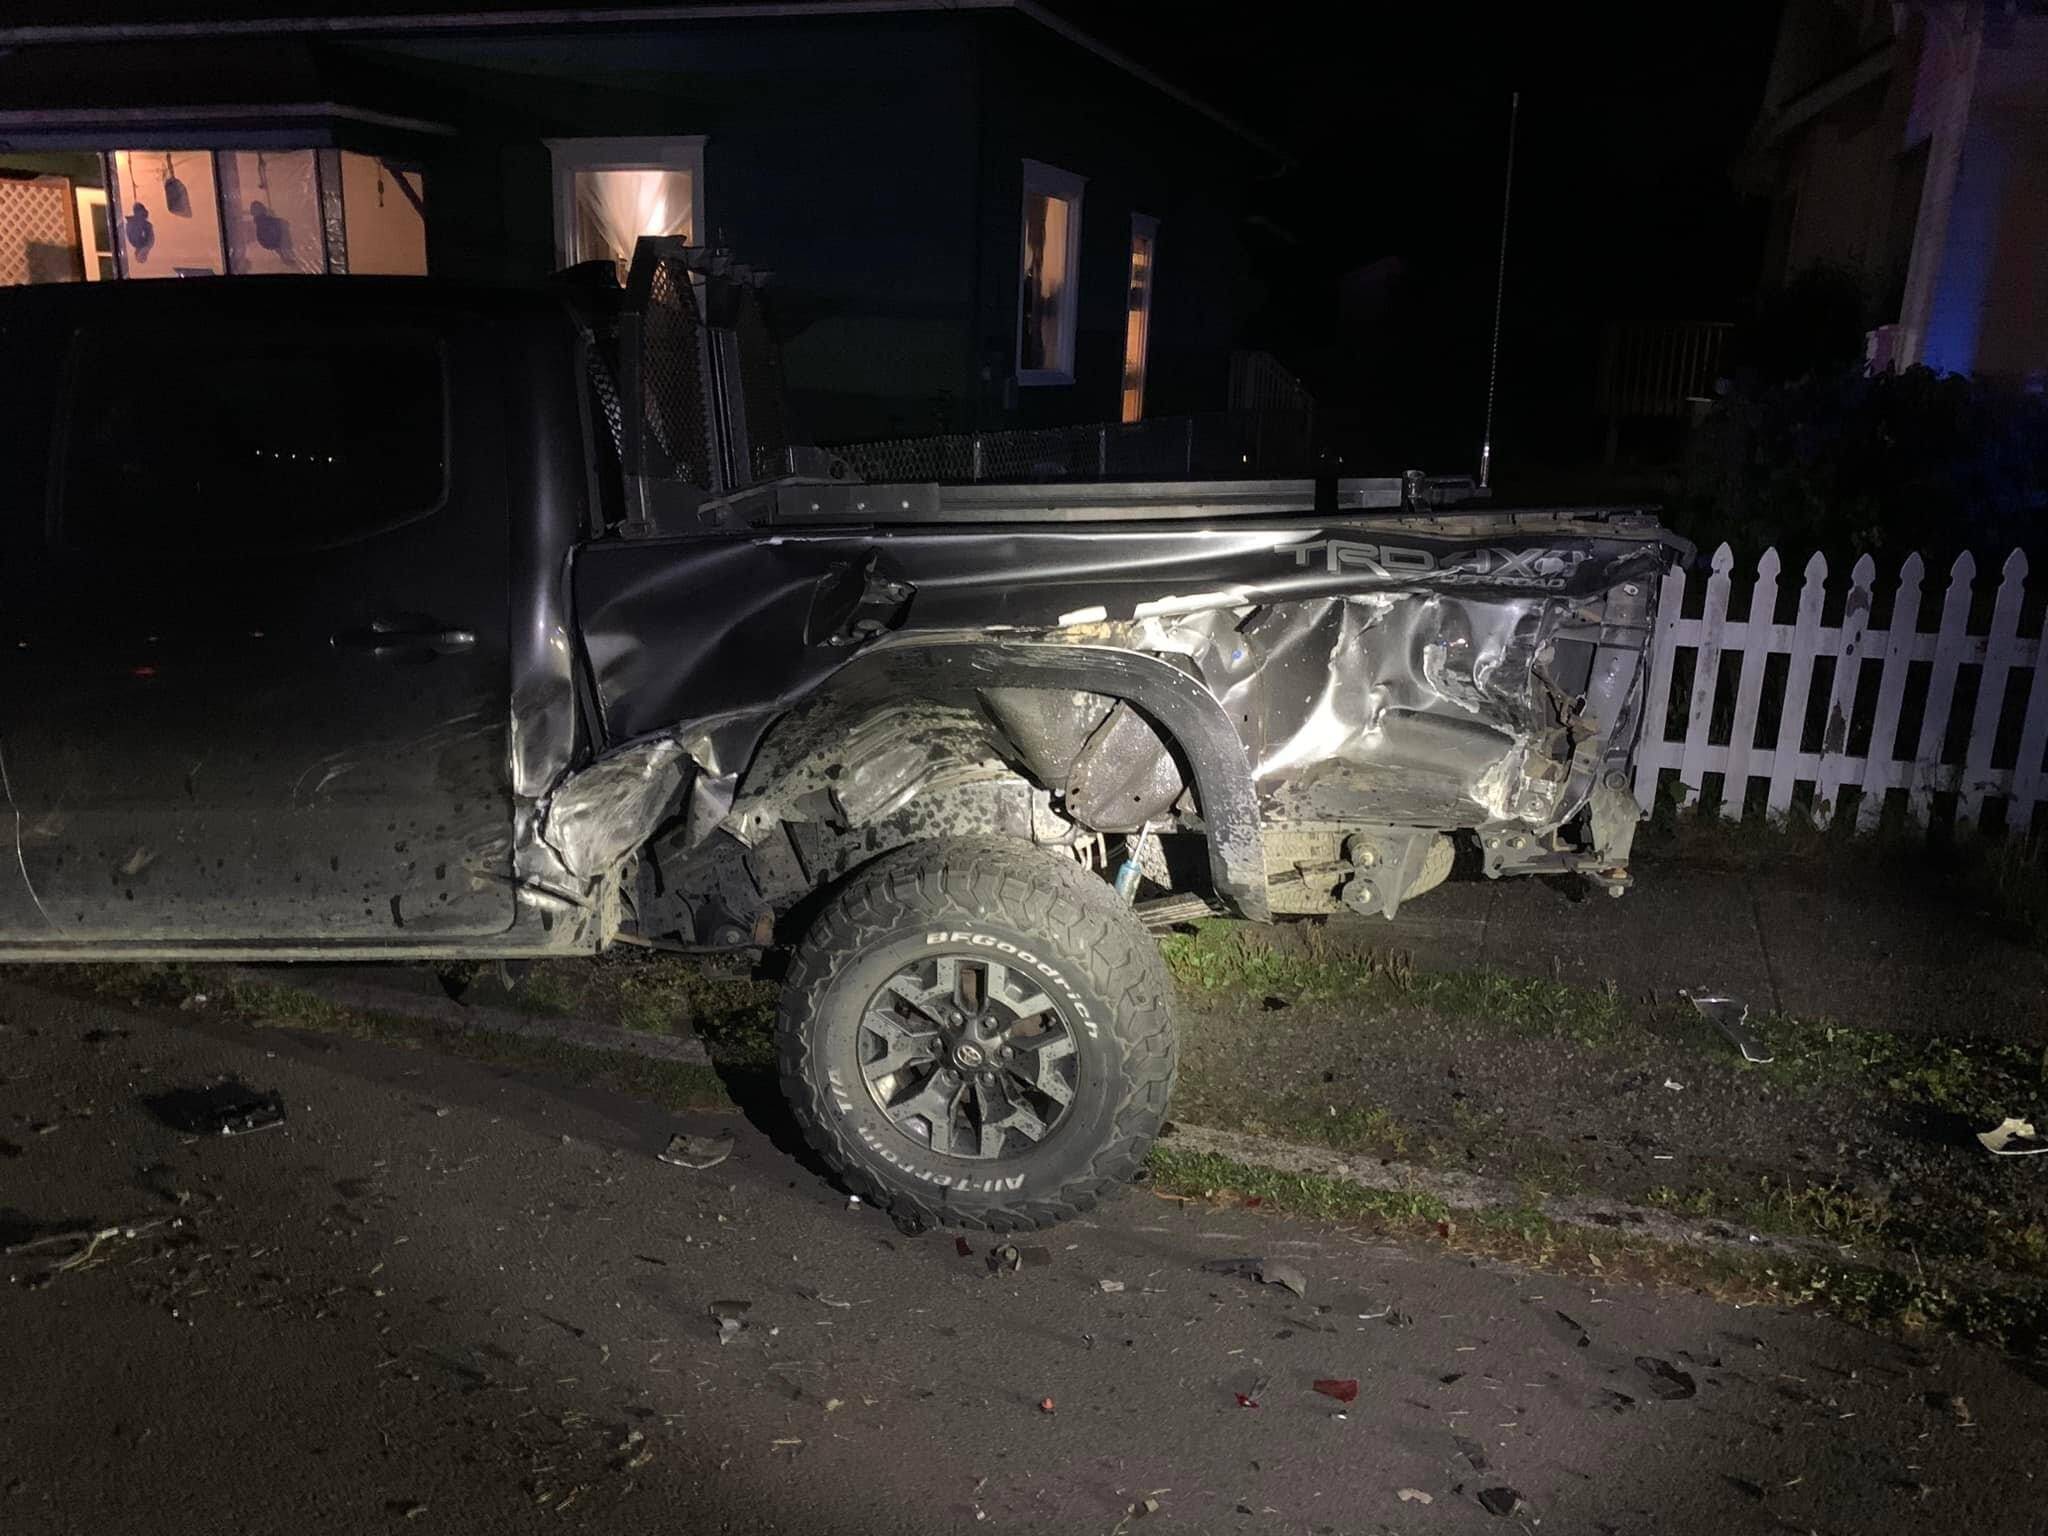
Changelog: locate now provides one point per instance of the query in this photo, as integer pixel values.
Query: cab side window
(191, 442)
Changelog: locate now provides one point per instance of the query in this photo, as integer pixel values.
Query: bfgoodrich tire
(978, 1034)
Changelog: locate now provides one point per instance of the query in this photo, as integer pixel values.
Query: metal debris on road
(1730, 1015)
(1666, 1379)
(1998, 1141)
(697, 1152)
(1343, 1388)
(1502, 1501)
(1414, 1496)
(1268, 1271)
(227, 1108)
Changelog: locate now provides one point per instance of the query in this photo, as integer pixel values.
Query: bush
(1848, 463)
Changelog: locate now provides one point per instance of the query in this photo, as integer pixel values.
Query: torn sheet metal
(599, 815)
(1730, 1015)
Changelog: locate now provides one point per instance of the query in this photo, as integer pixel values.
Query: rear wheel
(978, 1033)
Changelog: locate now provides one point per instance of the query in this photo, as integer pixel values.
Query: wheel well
(1048, 744)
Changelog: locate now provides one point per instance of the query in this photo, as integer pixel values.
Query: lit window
(167, 213)
(199, 213)
(1138, 314)
(610, 192)
(271, 200)
(1049, 286)
(384, 216)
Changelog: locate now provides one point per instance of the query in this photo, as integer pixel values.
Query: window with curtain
(610, 192)
(1138, 314)
(1049, 282)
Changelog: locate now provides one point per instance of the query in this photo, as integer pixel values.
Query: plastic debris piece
(1674, 1085)
(1271, 1271)
(1245, 1400)
(1110, 1287)
(697, 1152)
(1666, 1379)
(1998, 1141)
(1730, 1015)
(227, 1108)
(1144, 1507)
(1502, 1501)
(1343, 1388)
(963, 1247)
(1004, 1258)
(1285, 1275)
(731, 1317)
(1045, 1405)
(1415, 1496)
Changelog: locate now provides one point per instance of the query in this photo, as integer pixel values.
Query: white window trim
(681, 153)
(1051, 181)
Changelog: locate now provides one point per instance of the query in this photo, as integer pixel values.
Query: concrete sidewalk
(1873, 953)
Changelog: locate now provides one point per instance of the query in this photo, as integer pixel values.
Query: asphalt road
(443, 1296)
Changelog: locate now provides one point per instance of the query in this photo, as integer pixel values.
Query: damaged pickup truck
(389, 619)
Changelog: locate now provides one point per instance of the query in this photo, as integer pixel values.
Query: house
(976, 215)
(1908, 145)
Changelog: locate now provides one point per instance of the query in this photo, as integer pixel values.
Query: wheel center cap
(968, 1055)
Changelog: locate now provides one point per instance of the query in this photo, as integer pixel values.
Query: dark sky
(1631, 120)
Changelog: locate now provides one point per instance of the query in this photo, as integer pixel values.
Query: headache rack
(686, 383)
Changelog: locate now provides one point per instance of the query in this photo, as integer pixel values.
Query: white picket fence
(1914, 767)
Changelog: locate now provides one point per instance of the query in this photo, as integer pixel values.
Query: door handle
(405, 640)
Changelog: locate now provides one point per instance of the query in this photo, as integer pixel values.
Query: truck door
(254, 683)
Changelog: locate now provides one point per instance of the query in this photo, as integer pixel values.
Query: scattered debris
(1473, 1452)
(1502, 1501)
(964, 1248)
(1274, 1003)
(731, 1317)
(1246, 1400)
(1045, 1405)
(228, 1108)
(1344, 1389)
(1145, 1506)
(1730, 1015)
(1998, 1141)
(1674, 1085)
(1666, 1379)
(1415, 1496)
(1394, 1319)
(1269, 1271)
(823, 1300)
(86, 1240)
(1109, 1287)
(1574, 1326)
(834, 1404)
(1008, 1258)
(1952, 1404)
(697, 1152)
